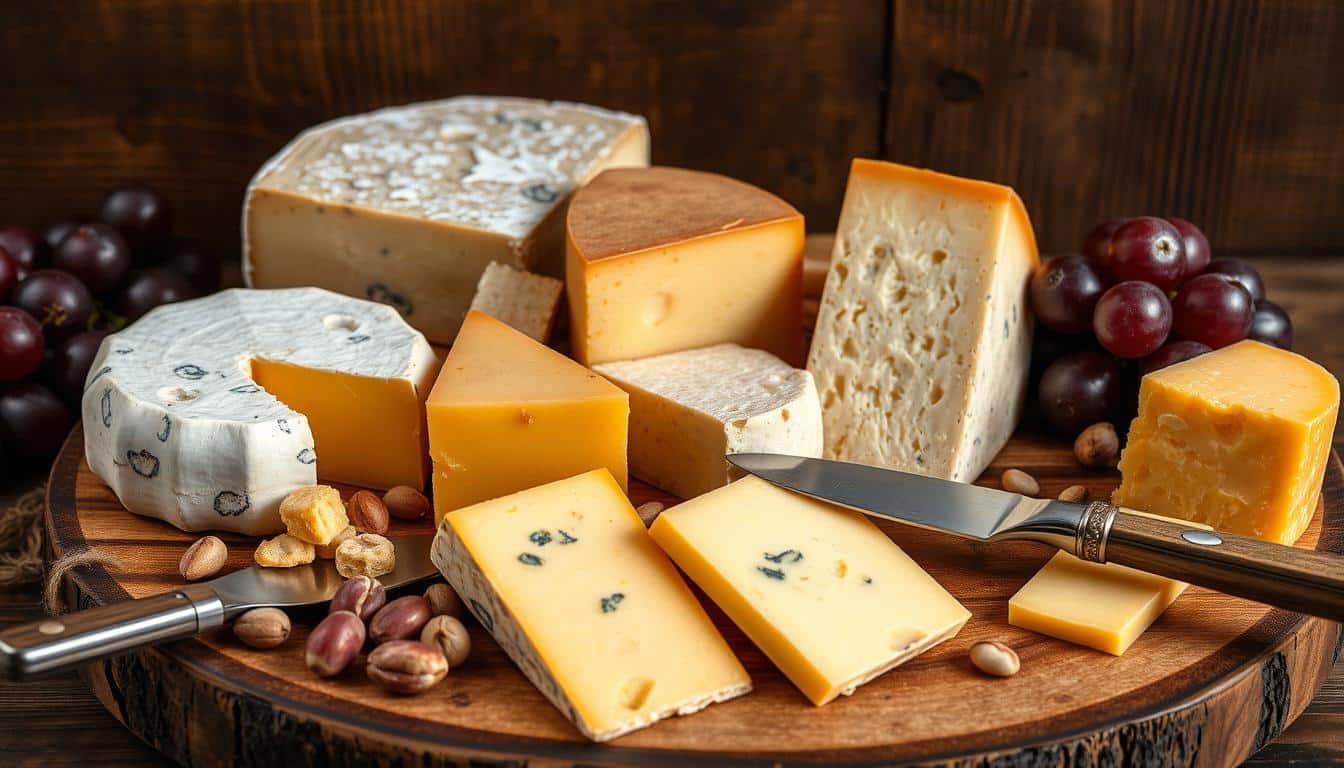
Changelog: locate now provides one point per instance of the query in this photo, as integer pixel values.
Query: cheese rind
(408, 205)
(508, 413)
(665, 259)
(821, 590)
(689, 409)
(520, 299)
(1237, 438)
(569, 584)
(207, 413)
(1102, 606)
(923, 335)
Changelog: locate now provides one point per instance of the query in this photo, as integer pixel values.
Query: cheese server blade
(40, 647)
(1303, 580)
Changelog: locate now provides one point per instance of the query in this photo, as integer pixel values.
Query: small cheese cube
(314, 514)
(1237, 438)
(825, 594)
(689, 409)
(570, 585)
(284, 551)
(665, 259)
(520, 299)
(923, 335)
(1102, 606)
(509, 413)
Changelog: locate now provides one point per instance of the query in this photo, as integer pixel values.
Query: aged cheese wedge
(509, 413)
(823, 592)
(1102, 606)
(408, 205)
(923, 336)
(207, 413)
(665, 259)
(523, 300)
(569, 584)
(1237, 438)
(689, 409)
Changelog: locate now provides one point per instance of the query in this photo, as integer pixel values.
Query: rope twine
(21, 540)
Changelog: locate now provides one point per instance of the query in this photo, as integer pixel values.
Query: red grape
(1214, 309)
(199, 264)
(150, 288)
(1195, 246)
(70, 365)
(10, 273)
(1270, 324)
(1147, 249)
(1078, 390)
(141, 216)
(1132, 319)
(1064, 290)
(96, 254)
(1240, 271)
(1172, 353)
(24, 245)
(1097, 244)
(33, 420)
(20, 344)
(57, 299)
(55, 233)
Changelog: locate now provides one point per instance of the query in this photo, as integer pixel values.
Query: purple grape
(150, 288)
(33, 420)
(10, 273)
(55, 233)
(58, 300)
(21, 344)
(1132, 319)
(199, 264)
(1195, 247)
(1213, 309)
(141, 215)
(1270, 324)
(96, 254)
(1064, 291)
(29, 250)
(69, 367)
(1097, 245)
(1243, 273)
(1172, 353)
(1079, 390)
(1148, 249)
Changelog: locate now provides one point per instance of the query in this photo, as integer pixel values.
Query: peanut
(314, 513)
(1097, 446)
(443, 601)
(367, 513)
(334, 643)
(284, 551)
(203, 558)
(450, 636)
(406, 666)
(406, 503)
(1074, 493)
(995, 658)
(400, 619)
(367, 554)
(1017, 481)
(262, 627)
(361, 595)
(328, 551)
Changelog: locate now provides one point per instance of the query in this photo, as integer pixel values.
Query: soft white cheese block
(688, 409)
(522, 300)
(923, 335)
(408, 205)
(176, 424)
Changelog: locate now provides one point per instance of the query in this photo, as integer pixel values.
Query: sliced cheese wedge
(509, 413)
(520, 299)
(207, 413)
(923, 335)
(825, 594)
(570, 585)
(688, 409)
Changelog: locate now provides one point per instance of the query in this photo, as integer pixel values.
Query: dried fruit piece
(367, 554)
(328, 551)
(284, 551)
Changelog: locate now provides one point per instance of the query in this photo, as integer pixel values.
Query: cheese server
(1301, 580)
(28, 650)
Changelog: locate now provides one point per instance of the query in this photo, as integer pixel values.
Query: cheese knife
(1307, 581)
(49, 645)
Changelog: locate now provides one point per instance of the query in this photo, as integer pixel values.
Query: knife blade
(1308, 581)
(40, 647)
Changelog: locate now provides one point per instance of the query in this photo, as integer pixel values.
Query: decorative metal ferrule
(1093, 529)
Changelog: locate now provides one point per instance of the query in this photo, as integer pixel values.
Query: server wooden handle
(1302, 580)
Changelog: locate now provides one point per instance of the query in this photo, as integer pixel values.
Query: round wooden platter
(1213, 680)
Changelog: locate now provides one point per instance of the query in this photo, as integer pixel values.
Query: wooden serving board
(1213, 680)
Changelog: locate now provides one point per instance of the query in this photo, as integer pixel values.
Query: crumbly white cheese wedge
(408, 205)
(568, 582)
(923, 336)
(207, 413)
(688, 409)
(522, 300)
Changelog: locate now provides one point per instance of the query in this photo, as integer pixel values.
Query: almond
(367, 513)
(406, 503)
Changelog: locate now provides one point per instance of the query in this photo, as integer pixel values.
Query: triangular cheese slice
(508, 413)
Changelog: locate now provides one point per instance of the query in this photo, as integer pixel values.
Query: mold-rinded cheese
(1237, 438)
(523, 300)
(825, 594)
(664, 259)
(923, 335)
(408, 205)
(570, 585)
(207, 413)
(509, 413)
(1102, 606)
(689, 409)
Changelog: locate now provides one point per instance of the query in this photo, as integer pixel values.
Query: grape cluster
(63, 290)
(1144, 293)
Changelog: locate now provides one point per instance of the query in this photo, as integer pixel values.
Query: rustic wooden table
(57, 722)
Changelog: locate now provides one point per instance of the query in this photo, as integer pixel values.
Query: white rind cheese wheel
(176, 425)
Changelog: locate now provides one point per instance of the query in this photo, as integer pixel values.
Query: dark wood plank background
(1228, 113)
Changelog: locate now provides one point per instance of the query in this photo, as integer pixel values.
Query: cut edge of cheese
(523, 300)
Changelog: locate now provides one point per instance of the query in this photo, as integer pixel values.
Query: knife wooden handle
(52, 644)
(1303, 580)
